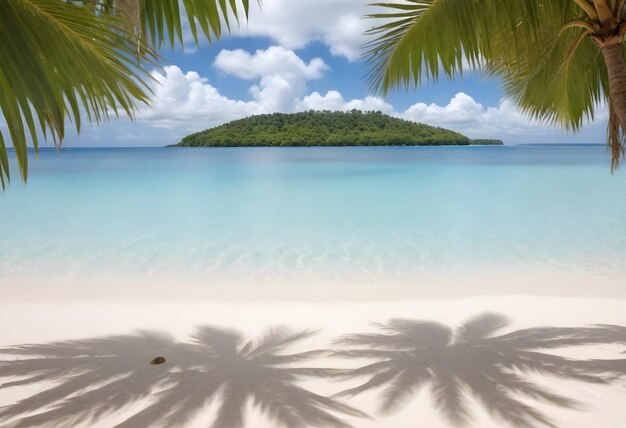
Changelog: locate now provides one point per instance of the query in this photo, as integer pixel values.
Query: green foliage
(486, 142)
(62, 61)
(323, 128)
(160, 22)
(57, 58)
(424, 39)
(543, 51)
(551, 74)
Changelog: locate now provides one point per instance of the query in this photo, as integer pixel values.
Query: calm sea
(315, 215)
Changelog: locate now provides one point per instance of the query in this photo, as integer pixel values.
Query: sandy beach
(502, 268)
(597, 404)
(312, 214)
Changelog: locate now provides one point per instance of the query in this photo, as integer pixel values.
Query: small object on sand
(158, 360)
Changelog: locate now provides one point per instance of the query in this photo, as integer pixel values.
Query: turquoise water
(324, 214)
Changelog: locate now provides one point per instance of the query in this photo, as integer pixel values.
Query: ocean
(403, 218)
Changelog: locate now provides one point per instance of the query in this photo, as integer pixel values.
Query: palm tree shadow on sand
(94, 378)
(406, 355)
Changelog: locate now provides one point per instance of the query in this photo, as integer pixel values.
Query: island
(327, 128)
(486, 142)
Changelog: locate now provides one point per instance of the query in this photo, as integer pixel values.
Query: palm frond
(560, 82)
(161, 21)
(542, 51)
(61, 61)
(57, 62)
(426, 38)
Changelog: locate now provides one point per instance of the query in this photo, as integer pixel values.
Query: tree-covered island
(326, 128)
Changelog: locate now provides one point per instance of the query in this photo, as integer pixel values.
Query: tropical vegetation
(487, 142)
(66, 60)
(559, 60)
(324, 128)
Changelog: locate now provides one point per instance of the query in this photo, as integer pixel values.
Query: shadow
(472, 361)
(86, 380)
(94, 378)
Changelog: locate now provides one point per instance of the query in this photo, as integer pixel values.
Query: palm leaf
(161, 22)
(541, 50)
(421, 38)
(61, 61)
(561, 80)
(56, 61)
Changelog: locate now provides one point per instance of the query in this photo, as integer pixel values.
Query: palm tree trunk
(614, 59)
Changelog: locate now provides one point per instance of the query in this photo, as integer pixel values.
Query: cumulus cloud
(464, 114)
(294, 24)
(333, 100)
(271, 61)
(187, 102)
(282, 75)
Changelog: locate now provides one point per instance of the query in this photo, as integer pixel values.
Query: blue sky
(301, 55)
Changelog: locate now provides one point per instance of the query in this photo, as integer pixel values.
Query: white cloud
(282, 75)
(294, 24)
(466, 115)
(274, 60)
(187, 102)
(461, 109)
(333, 100)
(462, 113)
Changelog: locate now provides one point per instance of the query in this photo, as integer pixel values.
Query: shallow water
(315, 215)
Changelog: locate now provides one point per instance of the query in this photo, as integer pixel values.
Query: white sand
(356, 287)
(36, 322)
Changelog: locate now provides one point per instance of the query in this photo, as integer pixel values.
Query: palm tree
(93, 378)
(63, 60)
(558, 59)
(411, 354)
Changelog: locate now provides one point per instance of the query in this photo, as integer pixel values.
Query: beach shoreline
(461, 283)
(40, 323)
